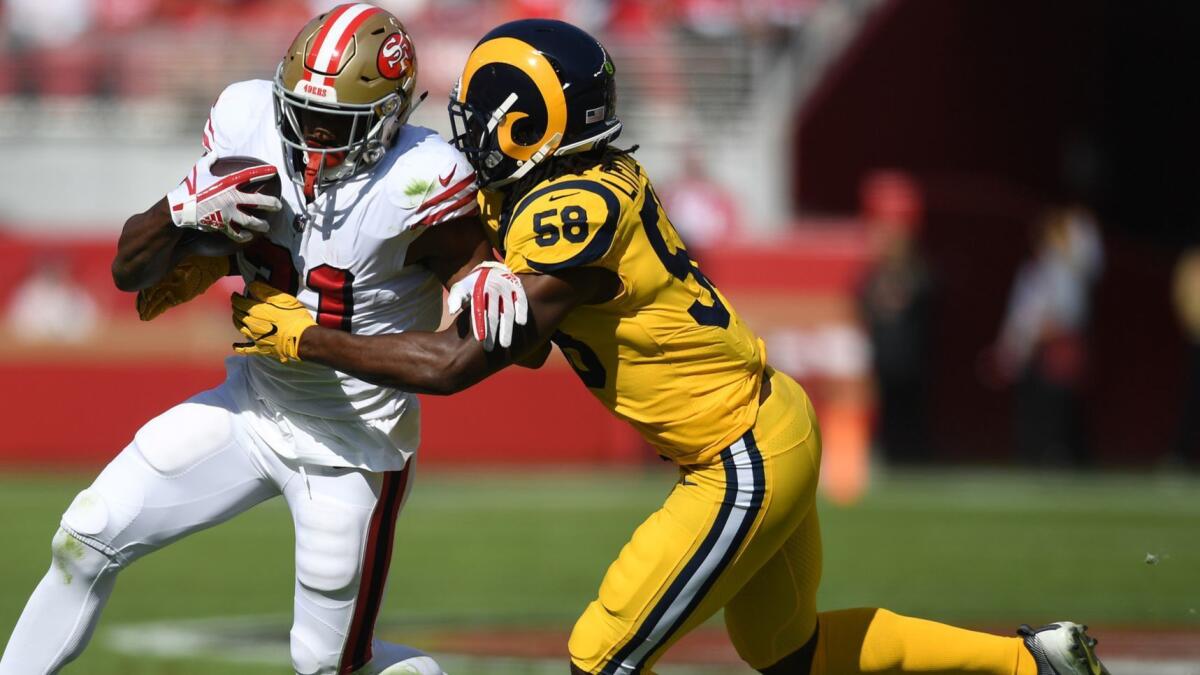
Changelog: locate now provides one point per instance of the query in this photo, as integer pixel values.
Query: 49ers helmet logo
(395, 56)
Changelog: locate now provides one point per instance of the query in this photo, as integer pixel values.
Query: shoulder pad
(234, 114)
(570, 223)
(430, 179)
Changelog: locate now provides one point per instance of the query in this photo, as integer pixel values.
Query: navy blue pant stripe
(706, 547)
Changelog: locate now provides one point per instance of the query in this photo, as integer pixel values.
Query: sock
(870, 640)
(62, 613)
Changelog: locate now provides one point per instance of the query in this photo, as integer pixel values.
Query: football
(215, 244)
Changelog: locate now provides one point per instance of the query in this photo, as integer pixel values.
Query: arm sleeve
(568, 224)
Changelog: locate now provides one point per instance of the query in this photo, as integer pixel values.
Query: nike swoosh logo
(446, 181)
(264, 336)
(557, 197)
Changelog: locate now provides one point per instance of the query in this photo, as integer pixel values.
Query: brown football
(215, 244)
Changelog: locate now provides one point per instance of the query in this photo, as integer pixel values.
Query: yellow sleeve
(567, 224)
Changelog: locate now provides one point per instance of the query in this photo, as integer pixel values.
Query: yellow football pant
(741, 533)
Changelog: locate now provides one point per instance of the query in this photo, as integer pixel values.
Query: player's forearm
(144, 249)
(425, 363)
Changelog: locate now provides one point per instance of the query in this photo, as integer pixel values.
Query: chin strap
(311, 169)
(313, 165)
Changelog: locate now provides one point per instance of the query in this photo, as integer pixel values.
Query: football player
(378, 216)
(609, 281)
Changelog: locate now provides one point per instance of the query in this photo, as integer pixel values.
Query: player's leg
(185, 470)
(774, 626)
(345, 521)
(773, 623)
(718, 527)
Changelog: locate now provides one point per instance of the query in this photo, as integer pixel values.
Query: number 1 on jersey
(335, 295)
(334, 286)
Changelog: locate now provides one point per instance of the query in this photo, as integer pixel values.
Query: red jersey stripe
(454, 206)
(448, 193)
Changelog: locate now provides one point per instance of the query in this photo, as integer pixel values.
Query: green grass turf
(992, 549)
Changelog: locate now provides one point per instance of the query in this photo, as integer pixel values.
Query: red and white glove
(214, 204)
(497, 301)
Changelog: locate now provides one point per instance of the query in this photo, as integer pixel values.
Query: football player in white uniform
(377, 218)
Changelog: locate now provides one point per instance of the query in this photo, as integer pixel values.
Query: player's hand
(272, 320)
(497, 301)
(191, 277)
(214, 204)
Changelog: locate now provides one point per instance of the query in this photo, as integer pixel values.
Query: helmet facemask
(473, 132)
(364, 132)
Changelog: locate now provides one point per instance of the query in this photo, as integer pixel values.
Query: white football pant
(194, 466)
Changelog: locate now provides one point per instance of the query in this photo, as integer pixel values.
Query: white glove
(214, 204)
(497, 300)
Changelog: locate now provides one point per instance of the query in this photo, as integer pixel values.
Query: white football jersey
(343, 256)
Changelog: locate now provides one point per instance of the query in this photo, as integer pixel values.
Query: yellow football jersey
(668, 354)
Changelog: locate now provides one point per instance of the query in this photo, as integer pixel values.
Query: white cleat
(419, 665)
(1063, 648)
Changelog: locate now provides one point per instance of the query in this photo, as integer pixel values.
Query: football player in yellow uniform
(609, 281)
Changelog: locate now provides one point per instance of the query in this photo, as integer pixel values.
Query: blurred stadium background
(969, 227)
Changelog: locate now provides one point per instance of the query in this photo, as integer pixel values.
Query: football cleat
(1062, 648)
(420, 665)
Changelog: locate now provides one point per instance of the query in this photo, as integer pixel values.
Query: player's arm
(451, 249)
(144, 249)
(457, 252)
(442, 363)
(203, 202)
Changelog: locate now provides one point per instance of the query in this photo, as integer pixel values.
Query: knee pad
(184, 436)
(77, 560)
(95, 520)
(328, 545)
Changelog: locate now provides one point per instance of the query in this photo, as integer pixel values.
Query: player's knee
(76, 560)
(208, 431)
(96, 519)
(328, 553)
(798, 662)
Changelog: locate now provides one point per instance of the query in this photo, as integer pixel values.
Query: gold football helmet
(352, 72)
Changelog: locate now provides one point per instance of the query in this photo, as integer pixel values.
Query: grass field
(482, 552)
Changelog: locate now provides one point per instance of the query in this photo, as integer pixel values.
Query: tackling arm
(435, 363)
(449, 361)
(452, 249)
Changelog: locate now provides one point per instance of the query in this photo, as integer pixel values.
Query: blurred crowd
(123, 47)
(1041, 352)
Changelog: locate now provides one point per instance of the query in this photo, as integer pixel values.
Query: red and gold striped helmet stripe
(330, 43)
